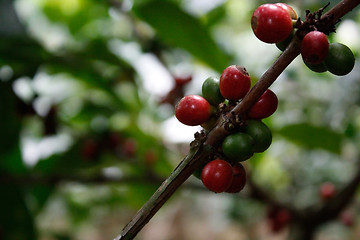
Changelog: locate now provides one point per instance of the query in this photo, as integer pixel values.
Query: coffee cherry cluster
(233, 85)
(223, 176)
(274, 23)
(320, 56)
(249, 135)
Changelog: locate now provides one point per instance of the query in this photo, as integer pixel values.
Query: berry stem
(199, 153)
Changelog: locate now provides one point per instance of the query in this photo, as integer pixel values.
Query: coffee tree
(271, 23)
(269, 91)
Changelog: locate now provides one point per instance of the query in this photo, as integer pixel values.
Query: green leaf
(215, 15)
(313, 137)
(10, 154)
(16, 221)
(40, 194)
(179, 29)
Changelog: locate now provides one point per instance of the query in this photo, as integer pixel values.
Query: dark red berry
(234, 82)
(182, 81)
(314, 47)
(239, 178)
(193, 110)
(217, 175)
(327, 190)
(347, 218)
(150, 157)
(278, 218)
(265, 106)
(271, 23)
(129, 147)
(90, 149)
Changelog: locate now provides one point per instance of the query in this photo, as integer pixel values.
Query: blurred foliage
(82, 133)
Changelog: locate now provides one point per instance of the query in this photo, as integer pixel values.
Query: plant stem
(181, 173)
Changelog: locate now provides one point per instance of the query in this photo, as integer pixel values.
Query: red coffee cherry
(327, 190)
(90, 149)
(279, 218)
(182, 81)
(347, 218)
(217, 175)
(192, 110)
(239, 178)
(265, 106)
(314, 47)
(271, 23)
(234, 82)
(289, 9)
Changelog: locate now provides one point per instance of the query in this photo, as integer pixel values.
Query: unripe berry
(314, 47)
(265, 106)
(238, 146)
(193, 110)
(260, 134)
(211, 91)
(283, 44)
(234, 82)
(340, 60)
(271, 23)
(319, 68)
(217, 175)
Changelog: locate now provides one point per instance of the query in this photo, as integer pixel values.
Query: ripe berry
(265, 106)
(289, 9)
(217, 175)
(340, 60)
(182, 81)
(260, 133)
(239, 178)
(150, 157)
(211, 91)
(327, 190)
(192, 110)
(314, 47)
(271, 23)
(129, 147)
(347, 218)
(234, 82)
(238, 146)
(90, 149)
(278, 218)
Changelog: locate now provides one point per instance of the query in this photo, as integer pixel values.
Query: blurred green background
(88, 133)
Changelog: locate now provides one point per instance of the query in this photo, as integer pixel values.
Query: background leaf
(179, 29)
(312, 137)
